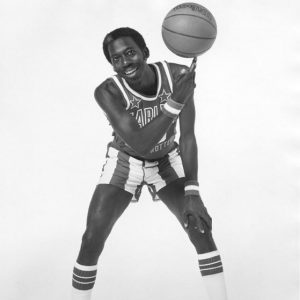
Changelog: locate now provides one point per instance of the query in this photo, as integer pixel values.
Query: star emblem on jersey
(164, 96)
(135, 102)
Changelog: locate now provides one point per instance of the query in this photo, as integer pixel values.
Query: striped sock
(211, 268)
(84, 278)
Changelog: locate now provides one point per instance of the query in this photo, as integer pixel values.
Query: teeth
(128, 72)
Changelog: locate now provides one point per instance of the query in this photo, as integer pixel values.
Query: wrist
(191, 187)
(172, 108)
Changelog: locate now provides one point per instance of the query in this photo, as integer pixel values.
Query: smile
(130, 71)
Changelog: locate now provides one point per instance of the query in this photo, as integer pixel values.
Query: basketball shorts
(131, 174)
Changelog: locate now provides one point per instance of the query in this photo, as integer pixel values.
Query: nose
(125, 61)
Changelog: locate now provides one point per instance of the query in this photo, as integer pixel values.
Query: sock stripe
(209, 260)
(83, 279)
(85, 282)
(210, 263)
(85, 268)
(211, 266)
(83, 286)
(82, 273)
(212, 271)
(84, 276)
(208, 254)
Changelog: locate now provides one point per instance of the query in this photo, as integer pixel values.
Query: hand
(195, 209)
(184, 84)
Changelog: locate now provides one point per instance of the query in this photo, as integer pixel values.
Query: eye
(131, 52)
(115, 59)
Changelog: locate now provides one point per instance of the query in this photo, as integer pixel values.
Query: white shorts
(130, 174)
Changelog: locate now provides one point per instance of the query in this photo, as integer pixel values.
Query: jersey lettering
(145, 115)
(148, 114)
(163, 145)
(140, 117)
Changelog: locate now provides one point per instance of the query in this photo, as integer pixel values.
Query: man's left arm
(195, 212)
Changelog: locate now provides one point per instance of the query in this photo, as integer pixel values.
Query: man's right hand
(184, 84)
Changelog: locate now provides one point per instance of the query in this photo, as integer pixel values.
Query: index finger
(193, 65)
(200, 225)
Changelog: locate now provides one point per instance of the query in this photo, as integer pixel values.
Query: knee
(96, 233)
(92, 237)
(203, 242)
(93, 241)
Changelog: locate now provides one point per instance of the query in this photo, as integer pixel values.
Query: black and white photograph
(150, 150)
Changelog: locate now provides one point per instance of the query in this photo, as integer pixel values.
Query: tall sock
(84, 278)
(211, 268)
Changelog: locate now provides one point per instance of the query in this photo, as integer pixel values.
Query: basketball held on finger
(189, 30)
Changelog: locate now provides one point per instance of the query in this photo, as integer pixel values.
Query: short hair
(122, 32)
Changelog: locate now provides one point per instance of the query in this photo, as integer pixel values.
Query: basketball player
(143, 103)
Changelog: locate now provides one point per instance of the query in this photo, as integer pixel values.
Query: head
(126, 50)
(122, 32)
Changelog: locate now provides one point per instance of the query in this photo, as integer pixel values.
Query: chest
(145, 110)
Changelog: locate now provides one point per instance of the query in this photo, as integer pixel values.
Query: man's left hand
(195, 208)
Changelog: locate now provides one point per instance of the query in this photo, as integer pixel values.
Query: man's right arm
(140, 139)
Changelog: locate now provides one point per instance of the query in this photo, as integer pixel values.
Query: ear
(146, 53)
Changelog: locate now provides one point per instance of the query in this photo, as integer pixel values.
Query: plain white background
(54, 136)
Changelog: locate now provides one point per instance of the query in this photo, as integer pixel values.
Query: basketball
(189, 29)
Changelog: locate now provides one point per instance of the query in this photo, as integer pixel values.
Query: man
(142, 103)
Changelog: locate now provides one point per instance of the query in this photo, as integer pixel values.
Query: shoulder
(177, 69)
(106, 90)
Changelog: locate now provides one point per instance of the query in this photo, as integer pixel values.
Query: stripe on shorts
(108, 169)
(166, 171)
(135, 178)
(176, 162)
(170, 167)
(121, 172)
(154, 180)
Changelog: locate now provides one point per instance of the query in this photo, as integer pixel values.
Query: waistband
(113, 152)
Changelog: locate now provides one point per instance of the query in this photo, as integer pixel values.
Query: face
(127, 59)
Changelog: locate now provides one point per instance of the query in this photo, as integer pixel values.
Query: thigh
(172, 196)
(107, 205)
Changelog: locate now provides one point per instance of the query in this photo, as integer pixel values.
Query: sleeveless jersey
(144, 109)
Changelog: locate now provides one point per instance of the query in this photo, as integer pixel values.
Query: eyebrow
(126, 49)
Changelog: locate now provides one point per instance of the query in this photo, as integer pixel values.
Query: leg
(107, 205)
(172, 196)
(208, 257)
